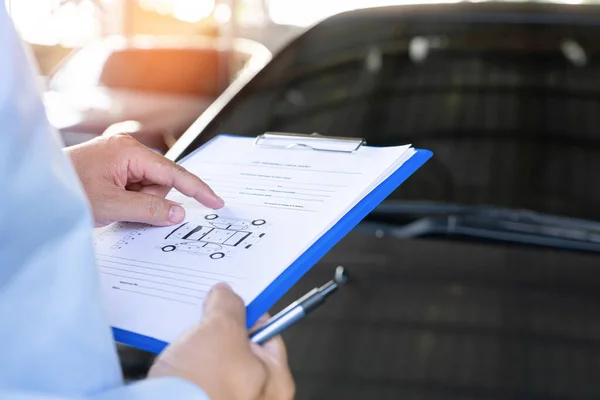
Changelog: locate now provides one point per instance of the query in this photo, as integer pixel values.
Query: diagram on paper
(212, 236)
(134, 231)
(215, 236)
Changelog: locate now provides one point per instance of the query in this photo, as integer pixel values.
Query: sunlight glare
(307, 12)
(44, 22)
(184, 10)
(223, 13)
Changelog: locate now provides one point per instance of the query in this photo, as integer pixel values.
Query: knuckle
(289, 389)
(224, 324)
(168, 168)
(261, 376)
(153, 208)
(159, 165)
(282, 381)
(109, 197)
(121, 140)
(179, 169)
(255, 376)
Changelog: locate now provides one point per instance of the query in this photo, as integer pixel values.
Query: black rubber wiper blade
(391, 207)
(484, 222)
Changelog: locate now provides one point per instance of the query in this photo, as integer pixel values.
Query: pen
(298, 309)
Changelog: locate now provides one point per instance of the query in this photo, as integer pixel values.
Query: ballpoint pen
(298, 309)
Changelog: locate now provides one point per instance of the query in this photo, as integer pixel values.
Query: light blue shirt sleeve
(55, 342)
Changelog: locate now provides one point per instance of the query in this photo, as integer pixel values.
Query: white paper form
(278, 202)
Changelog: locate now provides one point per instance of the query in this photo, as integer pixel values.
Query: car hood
(94, 110)
(449, 317)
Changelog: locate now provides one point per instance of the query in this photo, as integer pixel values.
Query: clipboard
(314, 141)
(295, 271)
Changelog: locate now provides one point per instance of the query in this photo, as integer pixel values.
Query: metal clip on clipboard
(312, 141)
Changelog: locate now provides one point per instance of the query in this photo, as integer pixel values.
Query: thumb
(223, 302)
(147, 208)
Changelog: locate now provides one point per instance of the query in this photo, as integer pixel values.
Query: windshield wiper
(417, 219)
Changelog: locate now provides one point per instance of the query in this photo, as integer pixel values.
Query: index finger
(165, 172)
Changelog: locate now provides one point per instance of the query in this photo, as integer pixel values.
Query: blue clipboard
(282, 284)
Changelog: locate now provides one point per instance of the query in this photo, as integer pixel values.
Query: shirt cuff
(156, 389)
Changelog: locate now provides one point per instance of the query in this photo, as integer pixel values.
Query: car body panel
(81, 105)
(511, 114)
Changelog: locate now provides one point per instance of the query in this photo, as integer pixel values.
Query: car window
(511, 110)
(175, 71)
(197, 72)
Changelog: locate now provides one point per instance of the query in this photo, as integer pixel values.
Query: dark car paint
(432, 319)
(511, 123)
(439, 319)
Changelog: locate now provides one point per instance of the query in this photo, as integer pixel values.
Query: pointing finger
(164, 172)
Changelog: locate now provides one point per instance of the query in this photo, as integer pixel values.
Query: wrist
(207, 381)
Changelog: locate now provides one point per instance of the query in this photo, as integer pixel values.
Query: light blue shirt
(55, 342)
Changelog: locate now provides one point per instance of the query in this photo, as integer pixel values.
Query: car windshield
(510, 106)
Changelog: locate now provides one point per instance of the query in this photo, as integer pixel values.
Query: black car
(480, 277)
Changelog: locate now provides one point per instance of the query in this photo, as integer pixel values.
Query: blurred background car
(162, 83)
(478, 278)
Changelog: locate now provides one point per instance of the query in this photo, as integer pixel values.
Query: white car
(214, 251)
(160, 83)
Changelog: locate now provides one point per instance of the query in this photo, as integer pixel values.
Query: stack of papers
(282, 210)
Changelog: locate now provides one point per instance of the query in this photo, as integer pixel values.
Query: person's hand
(126, 181)
(218, 356)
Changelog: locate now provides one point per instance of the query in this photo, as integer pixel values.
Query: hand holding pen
(216, 355)
(298, 309)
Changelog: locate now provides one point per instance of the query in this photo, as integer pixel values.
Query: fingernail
(176, 214)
